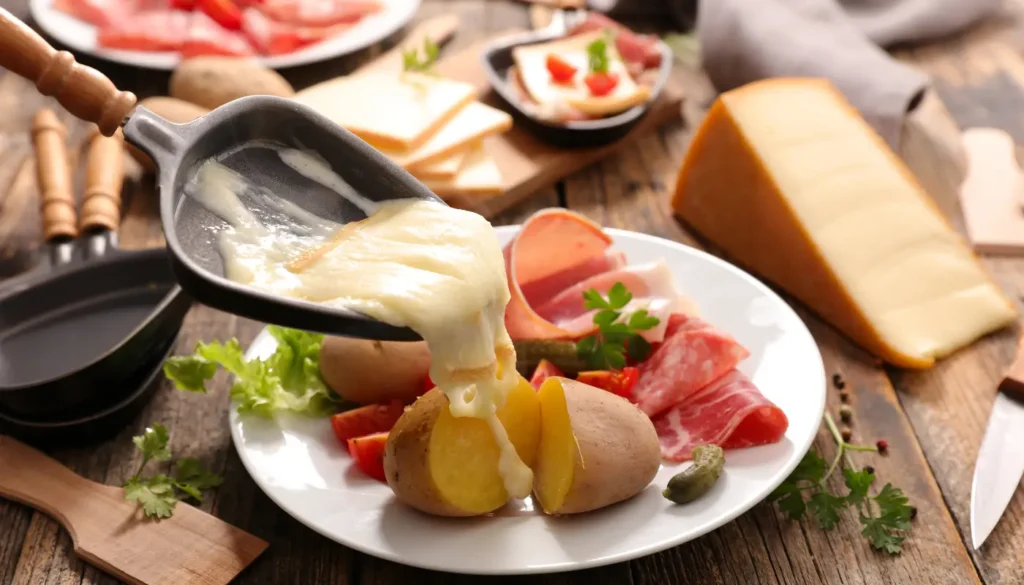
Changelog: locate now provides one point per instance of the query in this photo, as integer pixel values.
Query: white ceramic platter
(81, 36)
(305, 470)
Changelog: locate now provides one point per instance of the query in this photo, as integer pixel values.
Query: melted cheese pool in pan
(415, 263)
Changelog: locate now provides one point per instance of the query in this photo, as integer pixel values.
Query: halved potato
(596, 448)
(447, 465)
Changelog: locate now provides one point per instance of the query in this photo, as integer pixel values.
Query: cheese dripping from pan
(414, 263)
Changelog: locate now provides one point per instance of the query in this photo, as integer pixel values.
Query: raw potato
(370, 372)
(170, 109)
(596, 448)
(214, 81)
(448, 466)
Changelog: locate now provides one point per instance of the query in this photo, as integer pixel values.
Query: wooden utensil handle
(53, 175)
(36, 480)
(83, 91)
(104, 175)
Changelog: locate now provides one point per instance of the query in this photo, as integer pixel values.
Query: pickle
(562, 354)
(686, 486)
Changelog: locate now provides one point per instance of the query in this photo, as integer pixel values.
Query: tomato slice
(368, 453)
(183, 4)
(366, 420)
(560, 70)
(544, 370)
(601, 84)
(224, 12)
(619, 382)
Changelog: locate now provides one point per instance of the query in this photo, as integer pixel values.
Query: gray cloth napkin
(745, 40)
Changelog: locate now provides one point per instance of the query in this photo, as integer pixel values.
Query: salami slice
(692, 355)
(730, 412)
(207, 37)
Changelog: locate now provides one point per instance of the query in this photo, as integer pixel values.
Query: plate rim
(42, 12)
(799, 448)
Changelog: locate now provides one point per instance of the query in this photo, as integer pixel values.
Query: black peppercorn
(844, 397)
(837, 381)
(870, 469)
(845, 413)
(846, 434)
(913, 512)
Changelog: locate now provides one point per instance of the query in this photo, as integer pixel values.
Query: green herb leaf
(883, 535)
(412, 61)
(859, 483)
(810, 469)
(619, 296)
(637, 348)
(825, 508)
(189, 373)
(597, 56)
(192, 478)
(154, 443)
(792, 504)
(617, 338)
(154, 495)
(641, 321)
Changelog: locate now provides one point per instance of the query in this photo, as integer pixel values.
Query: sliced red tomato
(560, 70)
(225, 12)
(271, 37)
(366, 420)
(206, 37)
(428, 384)
(543, 371)
(601, 83)
(154, 30)
(368, 453)
(319, 13)
(619, 382)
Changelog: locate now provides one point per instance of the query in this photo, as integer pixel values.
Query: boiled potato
(214, 81)
(448, 466)
(596, 448)
(369, 371)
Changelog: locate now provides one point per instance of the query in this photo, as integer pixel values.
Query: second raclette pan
(75, 332)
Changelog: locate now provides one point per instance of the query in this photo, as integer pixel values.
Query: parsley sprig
(597, 56)
(158, 494)
(884, 518)
(616, 339)
(413, 61)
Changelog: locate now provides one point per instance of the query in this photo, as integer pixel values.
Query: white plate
(81, 36)
(304, 469)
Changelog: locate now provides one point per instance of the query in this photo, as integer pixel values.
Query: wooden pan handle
(104, 175)
(53, 174)
(83, 91)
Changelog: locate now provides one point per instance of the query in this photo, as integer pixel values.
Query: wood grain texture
(933, 420)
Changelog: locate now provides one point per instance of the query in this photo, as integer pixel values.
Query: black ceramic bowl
(497, 60)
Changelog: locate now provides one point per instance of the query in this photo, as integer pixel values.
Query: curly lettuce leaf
(287, 380)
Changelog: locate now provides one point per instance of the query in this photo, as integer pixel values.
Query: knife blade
(1000, 464)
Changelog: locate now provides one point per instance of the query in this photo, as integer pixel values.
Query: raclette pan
(75, 331)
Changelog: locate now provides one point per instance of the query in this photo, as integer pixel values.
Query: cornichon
(562, 354)
(686, 486)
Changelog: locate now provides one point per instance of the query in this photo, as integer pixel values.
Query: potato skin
(170, 109)
(214, 81)
(369, 371)
(619, 446)
(409, 443)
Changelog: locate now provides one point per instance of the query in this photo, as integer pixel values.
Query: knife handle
(1013, 383)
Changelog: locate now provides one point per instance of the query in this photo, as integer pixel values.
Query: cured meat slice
(150, 30)
(206, 37)
(101, 13)
(652, 286)
(550, 242)
(730, 412)
(633, 48)
(271, 37)
(319, 13)
(543, 289)
(692, 355)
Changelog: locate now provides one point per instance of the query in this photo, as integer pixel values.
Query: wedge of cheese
(472, 123)
(444, 169)
(785, 177)
(387, 110)
(479, 175)
(531, 63)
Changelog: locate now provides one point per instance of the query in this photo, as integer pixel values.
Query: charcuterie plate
(300, 465)
(81, 36)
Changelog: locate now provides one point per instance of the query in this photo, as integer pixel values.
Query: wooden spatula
(189, 548)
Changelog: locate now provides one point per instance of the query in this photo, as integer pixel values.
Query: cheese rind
(784, 176)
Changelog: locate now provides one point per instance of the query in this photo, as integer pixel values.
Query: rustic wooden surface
(933, 420)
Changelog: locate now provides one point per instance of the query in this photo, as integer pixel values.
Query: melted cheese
(414, 263)
(788, 179)
(531, 62)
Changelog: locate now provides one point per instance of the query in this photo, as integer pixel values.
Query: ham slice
(634, 48)
(730, 412)
(153, 30)
(692, 355)
(207, 37)
(100, 13)
(319, 13)
(271, 37)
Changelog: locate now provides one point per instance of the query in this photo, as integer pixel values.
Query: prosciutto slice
(692, 355)
(730, 413)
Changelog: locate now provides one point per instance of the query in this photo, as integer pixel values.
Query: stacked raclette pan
(83, 336)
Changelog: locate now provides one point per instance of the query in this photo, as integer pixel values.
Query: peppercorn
(870, 469)
(883, 446)
(845, 413)
(913, 512)
(846, 434)
(844, 397)
(837, 381)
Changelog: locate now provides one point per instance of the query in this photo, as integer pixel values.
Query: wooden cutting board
(528, 165)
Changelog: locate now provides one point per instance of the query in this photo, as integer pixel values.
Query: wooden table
(932, 420)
